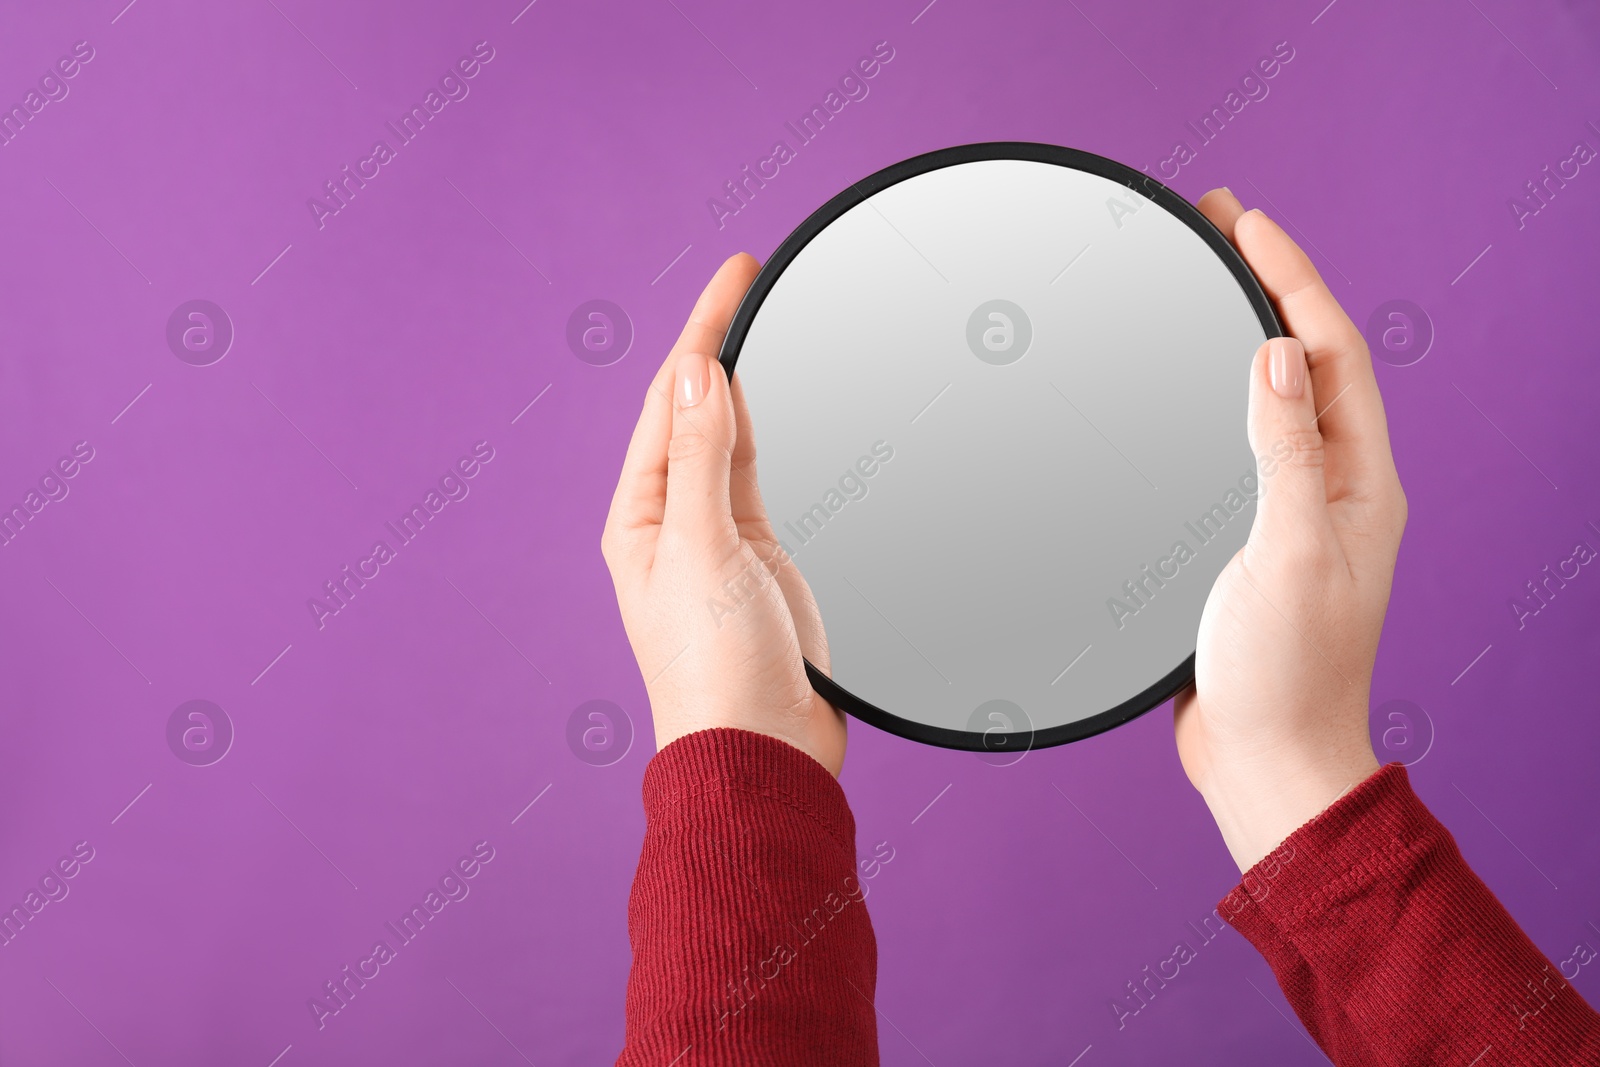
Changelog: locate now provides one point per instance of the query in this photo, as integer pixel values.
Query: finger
(810, 634)
(808, 629)
(712, 313)
(1351, 416)
(700, 454)
(1222, 208)
(1292, 510)
(641, 495)
(641, 491)
(750, 513)
(748, 510)
(780, 567)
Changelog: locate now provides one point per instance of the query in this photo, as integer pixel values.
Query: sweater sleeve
(1392, 951)
(751, 942)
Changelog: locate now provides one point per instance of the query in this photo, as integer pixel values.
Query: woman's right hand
(1275, 728)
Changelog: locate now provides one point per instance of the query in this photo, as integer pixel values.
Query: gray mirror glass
(999, 394)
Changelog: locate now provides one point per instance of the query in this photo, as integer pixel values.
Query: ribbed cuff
(724, 760)
(1359, 839)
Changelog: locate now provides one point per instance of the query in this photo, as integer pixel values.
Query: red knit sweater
(751, 942)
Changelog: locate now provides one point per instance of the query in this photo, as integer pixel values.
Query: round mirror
(999, 393)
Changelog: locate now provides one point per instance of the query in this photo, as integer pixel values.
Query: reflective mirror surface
(999, 395)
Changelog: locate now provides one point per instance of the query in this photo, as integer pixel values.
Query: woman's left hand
(717, 614)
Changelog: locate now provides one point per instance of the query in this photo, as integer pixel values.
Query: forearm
(1392, 951)
(750, 934)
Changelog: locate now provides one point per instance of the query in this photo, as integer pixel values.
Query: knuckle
(1303, 449)
(1398, 509)
(608, 545)
(688, 446)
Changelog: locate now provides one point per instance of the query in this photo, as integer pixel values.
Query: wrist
(1257, 805)
(816, 729)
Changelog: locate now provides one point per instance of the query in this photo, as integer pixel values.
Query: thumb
(1292, 513)
(700, 454)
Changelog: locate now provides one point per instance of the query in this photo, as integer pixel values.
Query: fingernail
(1286, 368)
(1229, 191)
(694, 378)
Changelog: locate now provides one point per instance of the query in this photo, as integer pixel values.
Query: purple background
(408, 328)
